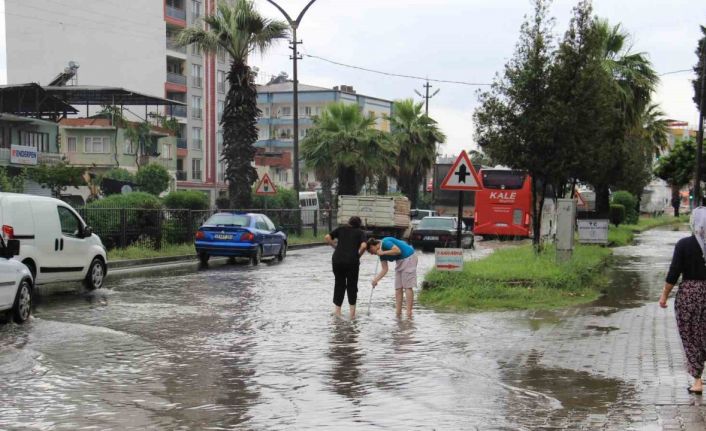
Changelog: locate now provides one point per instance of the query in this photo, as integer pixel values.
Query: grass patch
(516, 278)
(307, 237)
(625, 233)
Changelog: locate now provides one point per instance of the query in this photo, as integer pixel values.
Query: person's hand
(374, 283)
(379, 252)
(663, 301)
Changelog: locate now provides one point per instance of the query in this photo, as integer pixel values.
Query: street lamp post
(294, 24)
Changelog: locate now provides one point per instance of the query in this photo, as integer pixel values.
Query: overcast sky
(468, 40)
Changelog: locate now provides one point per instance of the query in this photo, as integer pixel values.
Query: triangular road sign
(266, 186)
(462, 177)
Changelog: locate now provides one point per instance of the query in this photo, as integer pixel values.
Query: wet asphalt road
(241, 347)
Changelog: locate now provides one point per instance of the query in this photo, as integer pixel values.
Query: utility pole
(700, 135)
(426, 96)
(294, 24)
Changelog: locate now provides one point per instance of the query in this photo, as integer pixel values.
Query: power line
(676, 71)
(399, 75)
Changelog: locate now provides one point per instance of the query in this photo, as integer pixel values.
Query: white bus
(308, 203)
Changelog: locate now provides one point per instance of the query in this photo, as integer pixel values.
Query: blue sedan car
(240, 235)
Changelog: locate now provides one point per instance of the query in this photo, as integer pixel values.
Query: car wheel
(96, 275)
(282, 252)
(257, 256)
(22, 307)
(203, 258)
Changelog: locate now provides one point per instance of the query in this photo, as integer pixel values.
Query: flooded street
(241, 347)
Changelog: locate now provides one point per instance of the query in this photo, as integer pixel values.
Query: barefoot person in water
(349, 242)
(394, 250)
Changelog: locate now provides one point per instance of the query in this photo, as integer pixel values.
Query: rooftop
(288, 87)
(99, 95)
(31, 100)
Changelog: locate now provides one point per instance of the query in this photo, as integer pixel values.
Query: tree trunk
(382, 185)
(602, 200)
(676, 201)
(409, 186)
(538, 195)
(326, 185)
(240, 134)
(347, 181)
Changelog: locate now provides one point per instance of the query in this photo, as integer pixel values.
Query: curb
(128, 263)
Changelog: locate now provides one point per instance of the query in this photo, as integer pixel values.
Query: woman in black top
(349, 242)
(690, 304)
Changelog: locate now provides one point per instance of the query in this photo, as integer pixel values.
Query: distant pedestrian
(349, 242)
(392, 249)
(690, 303)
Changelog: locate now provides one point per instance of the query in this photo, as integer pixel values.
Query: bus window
(502, 179)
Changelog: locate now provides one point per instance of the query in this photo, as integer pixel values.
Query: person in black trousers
(349, 242)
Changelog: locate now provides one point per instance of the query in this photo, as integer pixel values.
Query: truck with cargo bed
(381, 215)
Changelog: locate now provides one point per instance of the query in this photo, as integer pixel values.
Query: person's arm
(331, 238)
(383, 271)
(394, 251)
(675, 270)
(361, 249)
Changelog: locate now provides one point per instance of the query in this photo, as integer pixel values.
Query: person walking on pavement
(690, 303)
(349, 244)
(392, 249)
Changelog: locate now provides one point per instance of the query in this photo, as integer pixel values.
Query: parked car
(15, 282)
(56, 244)
(417, 216)
(248, 235)
(435, 232)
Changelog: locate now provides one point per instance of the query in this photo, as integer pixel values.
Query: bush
(284, 199)
(617, 214)
(132, 216)
(153, 179)
(186, 199)
(629, 202)
(120, 174)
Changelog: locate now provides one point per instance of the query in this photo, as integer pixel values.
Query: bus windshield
(503, 179)
(227, 219)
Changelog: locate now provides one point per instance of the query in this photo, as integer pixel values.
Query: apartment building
(130, 44)
(276, 124)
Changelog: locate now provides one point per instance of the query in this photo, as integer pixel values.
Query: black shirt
(349, 240)
(688, 261)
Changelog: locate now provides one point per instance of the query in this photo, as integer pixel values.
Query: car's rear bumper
(224, 249)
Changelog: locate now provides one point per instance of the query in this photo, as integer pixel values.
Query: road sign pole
(460, 215)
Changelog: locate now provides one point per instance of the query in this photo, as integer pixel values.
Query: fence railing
(157, 228)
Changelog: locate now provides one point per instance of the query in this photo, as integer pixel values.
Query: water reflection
(347, 358)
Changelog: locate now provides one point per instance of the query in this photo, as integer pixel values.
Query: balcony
(181, 175)
(176, 111)
(176, 78)
(181, 143)
(176, 13)
(172, 46)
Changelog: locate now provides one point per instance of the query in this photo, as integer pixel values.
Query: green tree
(120, 174)
(698, 68)
(12, 183)
(514, 122)
(480, 158)
(186, 199)
(677, 168)
(153, 179)
(344, 143)
(57, 178)
(240, 30)
(139, 135)
(416, 136)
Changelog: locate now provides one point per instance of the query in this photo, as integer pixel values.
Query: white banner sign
(449, 259)
(22, 155)
(593, 231)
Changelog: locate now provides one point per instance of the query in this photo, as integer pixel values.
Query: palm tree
(344, 144)
(654, 129)
(240, 30)
(416, 135)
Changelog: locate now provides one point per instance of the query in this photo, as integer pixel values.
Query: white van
(56, 244)
(309, 204)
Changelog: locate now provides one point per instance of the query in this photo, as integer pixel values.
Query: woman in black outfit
(690, 303)
(349, 242)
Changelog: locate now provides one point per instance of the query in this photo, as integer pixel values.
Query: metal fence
(157, 228)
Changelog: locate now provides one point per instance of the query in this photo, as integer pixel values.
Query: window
(307, 111)
(221, 81)
(195, 10)
(166, 151)
(219, 141)
(96, 144)
(196, 142)
(196, 78)
(196, 50)
(318, 110)
(70, 224)
(286, 111)
(221, 108)
(40, 141)
(129, 147)
(3, 141)
(282, 175)
(260, 223)
(221, 54)
(71, 144)
(267, 112)
(270, 225)
(196, 169)
(196, 107)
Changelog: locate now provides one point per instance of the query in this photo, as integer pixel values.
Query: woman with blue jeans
(391, 249)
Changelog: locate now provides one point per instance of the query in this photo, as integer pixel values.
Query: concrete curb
(119, 264)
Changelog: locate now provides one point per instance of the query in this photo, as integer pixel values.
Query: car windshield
(421, 214)
(437, 223)
(225, 219)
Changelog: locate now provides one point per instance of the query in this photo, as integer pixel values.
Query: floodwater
(240, 347)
